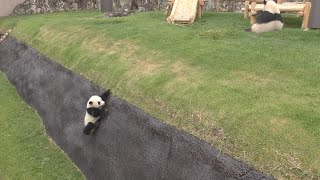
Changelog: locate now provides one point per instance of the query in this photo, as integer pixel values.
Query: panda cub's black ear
(90, 102)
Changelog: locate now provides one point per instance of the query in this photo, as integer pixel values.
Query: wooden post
(280, 1)
(169, 8)
(253, 13)
(199, 8)
(306, 14)
(204, 5)
(246, 9)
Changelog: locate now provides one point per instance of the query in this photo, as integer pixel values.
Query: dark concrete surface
(129, 143)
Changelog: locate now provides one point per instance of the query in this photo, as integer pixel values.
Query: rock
(141, 9)
(149, 6)
(74, 6)
(33, 9)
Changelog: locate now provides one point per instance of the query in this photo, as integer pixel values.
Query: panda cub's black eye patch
(90, 102)
(99, 103)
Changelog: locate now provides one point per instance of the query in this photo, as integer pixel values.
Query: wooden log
(246, 10)
(168, 11)
(253, 13)
(300, 14)
(258, 1)
(199, 8)
(306, 15)
(285, 7)
(201, 2)
(169, 7)
(202, 10)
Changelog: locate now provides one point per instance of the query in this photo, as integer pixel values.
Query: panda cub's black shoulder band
(95, 112)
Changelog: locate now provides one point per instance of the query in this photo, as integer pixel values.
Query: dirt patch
(143, 68)
(279, 122)
(183, 72)
(243, 78)
(182, 75)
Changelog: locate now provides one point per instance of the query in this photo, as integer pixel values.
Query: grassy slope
(25, 150)
(255, 97)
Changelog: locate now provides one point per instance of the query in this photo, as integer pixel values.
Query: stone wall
(224, 5)
(44, 6)
(47, 6)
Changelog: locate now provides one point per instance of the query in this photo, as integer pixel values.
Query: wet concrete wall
(129, 144)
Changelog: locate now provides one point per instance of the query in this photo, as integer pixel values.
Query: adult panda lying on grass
(96, 107)
(268, 20)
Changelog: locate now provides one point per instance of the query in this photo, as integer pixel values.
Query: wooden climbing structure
(252, 7)
(184, 11)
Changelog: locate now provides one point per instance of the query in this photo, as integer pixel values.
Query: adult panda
(268, 20)
(95, 109)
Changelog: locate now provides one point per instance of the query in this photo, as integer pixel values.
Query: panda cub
(268, 20)
(95, 109)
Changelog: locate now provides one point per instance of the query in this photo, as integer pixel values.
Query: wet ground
(129, 143)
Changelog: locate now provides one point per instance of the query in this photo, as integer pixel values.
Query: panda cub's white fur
(95, 109)
(93, 102)
(269, 20)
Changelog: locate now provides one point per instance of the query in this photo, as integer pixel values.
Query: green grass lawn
(25, 150)
(255, 97)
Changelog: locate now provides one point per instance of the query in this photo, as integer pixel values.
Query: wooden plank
(253, 13)
(199, 8)
(246, 9)
(183, 10)
(306, 15)
(285, 7)
(258, 1)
